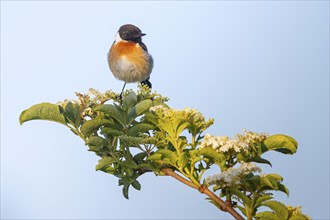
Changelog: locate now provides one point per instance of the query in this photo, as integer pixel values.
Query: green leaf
(271, 182)
(128, 171)
(266, 216)
(133, 141)
(91, 126)
(129, 100)
(168, 156)
(166, 125)
(127, 180)
(96, 141)
(242, 209)
(281, 143)
(259, 160)
(72, 112)
(42, 111)
(129, 164)
(155, 157)
(253, 181)
(218, 158)
(109, 169)
(279, 208)
(181, 127)
(212, 153)
(298, 217)
(111, 132)
(216, 188)
(145, 166)
(139, 109)
(140, 128)
(165, 155)
(113, 111)
(104, 162)
(262, 199)
(195, 156)
(266, 181)
(213, 202)
(275, 176)
(151, 117)
(136, 185)
(244, 198)
(140, 156)
(183, 159)
(283, 188)
(125, 190)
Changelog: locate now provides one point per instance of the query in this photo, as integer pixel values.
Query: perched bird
(128, 57)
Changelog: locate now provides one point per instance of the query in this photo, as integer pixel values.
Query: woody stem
(203, 189)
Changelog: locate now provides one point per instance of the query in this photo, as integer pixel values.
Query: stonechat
(128, 57)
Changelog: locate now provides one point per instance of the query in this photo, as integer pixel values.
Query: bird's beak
(142, 34)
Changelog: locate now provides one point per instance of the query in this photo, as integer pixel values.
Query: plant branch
(170, 172)
(203, 189)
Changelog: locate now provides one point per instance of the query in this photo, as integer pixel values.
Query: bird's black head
(130, 32)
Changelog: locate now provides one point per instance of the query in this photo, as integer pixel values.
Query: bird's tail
(147, 83)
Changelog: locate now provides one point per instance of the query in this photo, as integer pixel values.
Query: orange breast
(129, 62)
(130, 50)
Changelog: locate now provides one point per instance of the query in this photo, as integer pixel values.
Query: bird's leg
(121, 94)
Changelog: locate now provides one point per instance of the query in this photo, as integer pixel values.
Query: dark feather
(146, 82)
(144, 47)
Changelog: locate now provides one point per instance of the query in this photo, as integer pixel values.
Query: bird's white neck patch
(117, 37)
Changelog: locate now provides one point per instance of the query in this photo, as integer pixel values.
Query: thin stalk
(203, 189)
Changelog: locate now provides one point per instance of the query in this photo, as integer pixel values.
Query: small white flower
(157, 107)
(233, 177)
(241, 143)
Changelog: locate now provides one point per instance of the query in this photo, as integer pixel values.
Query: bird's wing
(144, 47)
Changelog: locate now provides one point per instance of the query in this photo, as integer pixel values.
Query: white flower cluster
(89, 100)
(158, 107)
(241, 143)
(162, 111)
(233, 177)
(190, 112)
(66, 101)
(94, 97)
(186, 112)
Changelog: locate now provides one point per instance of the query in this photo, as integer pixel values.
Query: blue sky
(259, 65)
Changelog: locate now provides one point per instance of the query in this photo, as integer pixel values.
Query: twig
(203, 189)
(170, 172)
